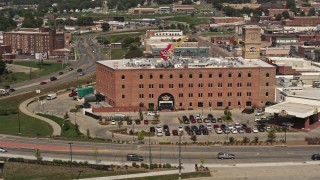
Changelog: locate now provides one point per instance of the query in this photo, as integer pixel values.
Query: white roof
(294, 109)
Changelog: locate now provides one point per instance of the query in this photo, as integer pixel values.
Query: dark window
(248, 103)
(190, 75)
(219, 104)
(141, 76)
(200, 95)
(210, 75)
(239, 74)
(123, 77)
(161, 76)
(160, 85)
(171, 76)
(180, 76)
(151, 76)
(267, 84)
(267, 75)
(123, 96)
(229, 103)
(220, 75)
(123, 86)
(230, 75)
(267, 93)
(180, 104)
(200, 75)
(190, 103)
(249, 74)
(200, 104)
(170, 85)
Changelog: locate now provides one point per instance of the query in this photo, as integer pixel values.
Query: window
(200, 75)
(200, 104)
(180, 94)
(249, 74)
(190, 75)
(267, 84)
(220, 75)
(219, 84)
(190, 85)
(170, 85)
(209, 94)
(219, 94)
(123, 86)
(151, 96)
(249, 84)
(180, 76)
(180, 85)
(229, 103)
(239, 84)
(180, 104)
(210, 85)
(267, 93)
(161, 76)
(200, 95)
(239, 74)
(160, 85)
(200, 85)
(229, 94)
(248, 93)
(141, 76)
(190, 103)
(239, 103)
(141, 96)
(219, 104)
(123, 77)
(190, 95)
(267, 75)
(229, 75)
(210, 75)
(170, 76)
(238, 93)
(123, 96)
(150, 85)
(229, 84)
(151, 76)
(140, 85)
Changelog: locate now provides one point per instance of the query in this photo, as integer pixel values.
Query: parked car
(199, 120)
(248, 110)
(113, 122)
(86, 105)
(223, 126)
(165, 128)
(197, 132)
(261, 129)
(205, 132)
(12, 90)
(201, 127)
(59, 60)
(215, 126)
(226, 131)
(167, 133)
(194, 128)
(187, 128)
(190, 132)
(198, 116)
(206, 120)
(210, 116)
(259, 113)
(248, 130)
(129, 122)
(255, 130)
(257, 119)
(2, 150)
(71, 69)
(175, 132)
(134, 157)
(137, 121)
(151, 113)
(219, 120)
(60, 73)
(209, 126)
(43, 83)
(72, 94)
(180, 129)
(213, 120)
(82, 74)
(240, 130)
(237, 125)
(218, 130)
(53, 78)
(244, 126)
(222, 155)
(193, 121)
(230, 126)
(234, 131)
(145, 122)
(315, 157)
(79, 70)
(152, 129)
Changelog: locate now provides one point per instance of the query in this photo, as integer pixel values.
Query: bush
(168, 165)
(231, 140)
(134, 164)
(146, 166)
(137, 166)
(246, 140)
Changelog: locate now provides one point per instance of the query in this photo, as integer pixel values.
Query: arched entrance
(166, 101)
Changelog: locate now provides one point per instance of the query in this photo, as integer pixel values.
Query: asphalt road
(159, 153)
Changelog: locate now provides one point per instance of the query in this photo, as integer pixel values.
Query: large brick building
(189, 84)
(302, 21)
(30, 40)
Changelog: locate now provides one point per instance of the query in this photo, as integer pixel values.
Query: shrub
(134, 164)
(231, 140)
(146, 166)
(155, 165)
(256, 139)
(137, 166)
(168, 165)
(245, 140)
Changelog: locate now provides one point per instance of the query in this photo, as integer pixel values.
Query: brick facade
(214, 87)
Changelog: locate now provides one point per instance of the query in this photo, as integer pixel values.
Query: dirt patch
(17, 68)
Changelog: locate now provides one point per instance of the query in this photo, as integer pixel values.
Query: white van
(51, 96)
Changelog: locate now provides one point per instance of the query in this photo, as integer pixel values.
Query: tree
(285, 15)
(193, 138)
(66, 115)
(88, 133)
(202, 160)
(3, 68)
(187, 2)
(312, 12)
(272, 135)
(77, 129)
(278, 17)
(66, 125)
(85, 21)
(141, 136)
(302, 13)
(37, 154)
(105, 26)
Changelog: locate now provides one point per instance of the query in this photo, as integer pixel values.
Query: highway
(159, 153)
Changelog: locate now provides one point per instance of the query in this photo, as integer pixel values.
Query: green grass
(18, 171)
(29, 126)
(118, 53)
(70, 133)
(114, 38)
(175, 176)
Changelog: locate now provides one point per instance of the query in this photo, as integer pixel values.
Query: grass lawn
(47, 68)
(29, 126)
(70, 133)
(176, 176)
(18, 171)
(189, 19)
(113, 38)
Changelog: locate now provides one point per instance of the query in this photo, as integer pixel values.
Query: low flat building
(142, 11)
(182, 8)
(275, 51)
(218, 20)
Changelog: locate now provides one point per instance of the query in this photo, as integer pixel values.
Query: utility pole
(150, 151)
(179, 156)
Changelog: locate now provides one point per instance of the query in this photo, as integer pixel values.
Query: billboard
(41, 55)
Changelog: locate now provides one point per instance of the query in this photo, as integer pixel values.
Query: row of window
(181, 95)
(161, 76)
(190, 85)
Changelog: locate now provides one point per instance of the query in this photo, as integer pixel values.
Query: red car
(72, 94)
(59, 60)
(146, 122)
(43, 83)
(192, 119)
(215, 126)
(248, 130)
(175, 132)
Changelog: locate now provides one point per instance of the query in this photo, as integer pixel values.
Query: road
(160, 153)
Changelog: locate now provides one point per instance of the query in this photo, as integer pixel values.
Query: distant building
(218, 20)
(142, 11)
(32, 40)
(171, 32)
(182, 8)
(302, 21)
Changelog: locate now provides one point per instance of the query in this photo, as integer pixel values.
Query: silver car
(222, 155)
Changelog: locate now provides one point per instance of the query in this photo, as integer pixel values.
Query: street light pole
(285, 134)
(132, 132)
(179, 156)
(70, 143)
(150, 151)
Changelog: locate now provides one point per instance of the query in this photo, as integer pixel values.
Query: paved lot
(64, 103)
